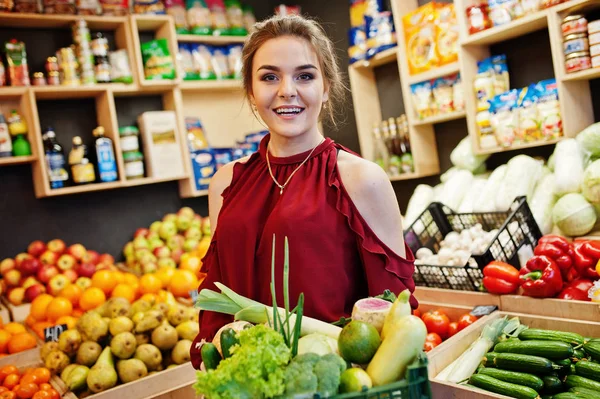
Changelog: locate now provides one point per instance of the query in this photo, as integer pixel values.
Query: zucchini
(586, 391)
(592, 348)
(514, 377)
(210, 356)
(587, 369)
(578, 381)
(571, 395)
(228, 340)
(552, 384)
(547, 349)
(549, 335)
(526, 363)
(488, 359)
(504, 388)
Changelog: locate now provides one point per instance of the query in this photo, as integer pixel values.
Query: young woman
(339, 211)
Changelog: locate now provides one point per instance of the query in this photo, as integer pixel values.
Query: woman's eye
(306, 76)
(269, 77)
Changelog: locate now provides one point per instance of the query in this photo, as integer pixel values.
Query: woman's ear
(326, 94)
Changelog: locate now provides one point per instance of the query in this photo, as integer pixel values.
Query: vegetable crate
(516, 229)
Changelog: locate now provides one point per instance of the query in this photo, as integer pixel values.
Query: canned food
(576, 43)
(596, 62)
(578, 62)
(594, 38)
(53, 78)
(51, 64)
(574, 24)
(594, 26)
(65, 55)
(38, 79)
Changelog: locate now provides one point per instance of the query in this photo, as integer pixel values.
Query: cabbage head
(573, 215)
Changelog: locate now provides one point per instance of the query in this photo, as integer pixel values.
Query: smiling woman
(338, 210)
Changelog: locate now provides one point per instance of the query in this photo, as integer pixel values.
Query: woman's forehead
(286, 52)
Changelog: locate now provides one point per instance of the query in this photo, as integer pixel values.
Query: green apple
(140, 253)
(167, 229)
(152, 235)
(190, 244)
(155, 227)
(206, 226)
(128, 250)
(183, 222)
(193, 233)
(149, 268)
(175, 242)
(197, 222)
(156, 243)
(140, 243)
(186, 211)
(167, 262)
(147, 258)
(170, 217)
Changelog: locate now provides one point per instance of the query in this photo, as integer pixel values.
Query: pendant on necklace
(281, 191)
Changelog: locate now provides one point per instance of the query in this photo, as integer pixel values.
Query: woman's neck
(281, 146)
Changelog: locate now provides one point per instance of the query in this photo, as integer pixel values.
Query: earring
(254, 107)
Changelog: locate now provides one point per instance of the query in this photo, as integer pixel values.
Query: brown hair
(294, 25)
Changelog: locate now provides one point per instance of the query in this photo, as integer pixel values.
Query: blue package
(357, 49)
(381, 33)
(422, 97)
(234, 57)
(203, 166)
(256, 137)
(222, 156)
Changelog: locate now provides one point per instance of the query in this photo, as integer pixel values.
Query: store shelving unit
(451, 116)
(434, 73)
(17, 160)
(385, 57)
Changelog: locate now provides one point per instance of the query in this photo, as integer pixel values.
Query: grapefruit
(358, 342)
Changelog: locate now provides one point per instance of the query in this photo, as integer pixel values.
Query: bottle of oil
(105, 155)
(407, 158)
(82, 169)
(380, 153)
(55, 160)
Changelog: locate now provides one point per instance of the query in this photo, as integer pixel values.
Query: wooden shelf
(211, 39)
(385, 57)
(83, 188)
(487, 151)
(441, 118)
(199, 85)
(588, 74)
(152, 180)
(439, 72)
(519, 27)
(29, 20)
(9, 91)
(197, 193)
(17, 160)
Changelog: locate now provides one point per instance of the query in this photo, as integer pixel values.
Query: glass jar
(134, 165)
(129, 138)
(38, 79)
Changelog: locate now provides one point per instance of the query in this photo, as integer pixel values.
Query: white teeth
(288, 110)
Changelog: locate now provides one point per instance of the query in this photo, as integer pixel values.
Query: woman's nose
(287, 88)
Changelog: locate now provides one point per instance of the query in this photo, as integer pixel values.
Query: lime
(358, 342)
(354, 380)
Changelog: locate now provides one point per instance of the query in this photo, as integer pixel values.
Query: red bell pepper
(500, 278)
(560, 251)
(541, 278)
(587, 255)
(576, 290)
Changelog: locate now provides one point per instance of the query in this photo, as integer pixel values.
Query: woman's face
(287, 86)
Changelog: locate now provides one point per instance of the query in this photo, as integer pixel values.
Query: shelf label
(483, 310)
(51, 334)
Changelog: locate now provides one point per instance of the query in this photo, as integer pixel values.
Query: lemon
(355, 380)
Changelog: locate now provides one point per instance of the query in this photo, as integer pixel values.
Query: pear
(142, 339)
(47, 348)
(162, 307)
(120, 324)
(150, 355)
(164, 337)
(188, 330)
(172, 366)
(118, 307)
(178, 314)
(56, 361)
(77, 378)
(138, 317)
(152, 373)
(123, 345)
(150, 320)
(88, 353)
(181, 352)
(103, 375)
(141, 305)
(92, 326)
(131, 370)
(65, 373)
(102, 310)
(69, 342)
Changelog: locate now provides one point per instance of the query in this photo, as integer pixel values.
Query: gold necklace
(281, 187)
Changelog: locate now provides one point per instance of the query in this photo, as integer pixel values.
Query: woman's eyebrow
(275, 68)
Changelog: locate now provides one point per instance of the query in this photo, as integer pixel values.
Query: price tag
(483, 310)
(52, 333)
(194, 295)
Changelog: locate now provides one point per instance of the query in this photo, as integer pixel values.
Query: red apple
(92, 257)
(32, 292)
(16, 296)
(12, 277)
(83, 283)
(28, 282)
(71, 275)
(30, 267)
(86, 270)
(46, 273)
(162, 252)
(20, 258)
(66, 262)
(107, 258)
(6, 265)
(49, 258)
(176, 255)
(36, 248)
(57, 246)
(141, 232)
(57, 284)
(77, 251)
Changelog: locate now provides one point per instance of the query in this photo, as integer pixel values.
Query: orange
(182, 283)
(191, 263)
(45, 387)
(202, 247)
(15, 328)
(40, 326)
(124, 291)
(7, 370)
(11, 381)
(21, 342)
(72, 293)
(150, 284)
(70, 321)
(77, 313)
(42, 395)
(39, 305)
(26, 390)
(8, 395)
(27, 378)
(119, 276)
(92, 298)
(150, 298)
(30, 320)
(3, 389)
(53, 393)
(130, 279)
(165, 274)
(42, 375)
(4, 338)
(57, 308)
(105, 280)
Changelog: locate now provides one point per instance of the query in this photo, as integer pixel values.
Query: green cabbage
(574, 215)
(589, 140)
(462, 156)
(317, 343)
(591, 182)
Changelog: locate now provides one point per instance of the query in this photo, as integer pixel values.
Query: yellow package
(446, 39)
(420, 36)
(358, 9)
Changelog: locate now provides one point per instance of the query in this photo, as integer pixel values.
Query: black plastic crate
(516, 228)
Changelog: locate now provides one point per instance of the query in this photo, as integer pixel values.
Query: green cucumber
(228, 340)
(552, 384)
(578, 354)
(571, 395)
(549, 335)
(546, 396)
(587, 391)
(587, 369)
(210, 356)
(578, 381)
(547, 349)
(514, 377)
(488, 359)
(526, 363)
(572, 369)
(592, 348)
(504, 388)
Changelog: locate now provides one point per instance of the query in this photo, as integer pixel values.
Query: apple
(197, 222)
(107, 258)
(155, 227)
(20, 258)
(140, 243)
(141, 232)
(66, 262)
(206, 226)
(49, 258)
(139, 253)
(57, 284)
(32, 292)
(156, 243)
(190, 244)
(149, 268)
(128, 249)
(162, 252)
(36, 248)
(71, 275)
(193, 233)
(175, 242)
(130, 261)
(29, 281)
(57, 246)
(6, 265)
(183, 222)
(16, 296)
(167, 262)
(30, 267)
(46, 272)
(176, 255)
(186, 211)
(169, 217)
(77, 251)
(147, 258)
(167, 229)
(153, 235)
(12, 277)
(86, 270)
(92, 257)
(83, 283)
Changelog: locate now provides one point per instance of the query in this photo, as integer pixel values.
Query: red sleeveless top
(335, 257)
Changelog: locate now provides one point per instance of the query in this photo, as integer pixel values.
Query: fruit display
(120, 342)
(48, 268)
(440, 327)
(15, 338)
(178, 240)
(31, 383)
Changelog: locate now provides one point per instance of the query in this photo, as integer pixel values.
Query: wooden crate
(452, 297)
(15, 313)
(567, 309)
(446, 353)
